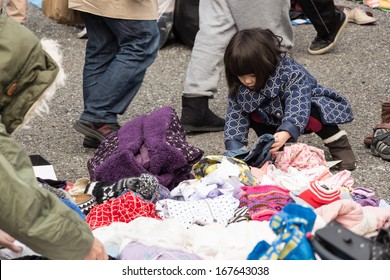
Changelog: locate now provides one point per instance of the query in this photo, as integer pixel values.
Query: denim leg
(117, 56)
(100, 51)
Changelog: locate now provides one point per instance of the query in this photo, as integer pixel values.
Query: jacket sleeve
(33, 215)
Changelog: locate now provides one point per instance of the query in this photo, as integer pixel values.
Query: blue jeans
(118, 52)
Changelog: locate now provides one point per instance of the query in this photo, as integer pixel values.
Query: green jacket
(33, 215)
(29, 213)
(26, 71)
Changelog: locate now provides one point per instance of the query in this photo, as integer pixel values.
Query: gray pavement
(358, 67)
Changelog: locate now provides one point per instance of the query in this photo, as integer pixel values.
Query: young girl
(271, 93)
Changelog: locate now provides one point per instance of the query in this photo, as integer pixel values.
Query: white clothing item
(222, 181)
(201, 212)
(233, 242)
(7, 254)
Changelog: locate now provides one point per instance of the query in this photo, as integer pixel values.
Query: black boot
(340, 149)
(197, 117)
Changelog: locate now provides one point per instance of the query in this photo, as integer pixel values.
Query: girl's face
(248, 80)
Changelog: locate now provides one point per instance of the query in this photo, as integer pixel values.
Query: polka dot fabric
(201, 212)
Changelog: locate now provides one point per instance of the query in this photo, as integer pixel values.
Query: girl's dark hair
(251, 51)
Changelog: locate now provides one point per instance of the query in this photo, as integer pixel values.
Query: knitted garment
(264, 201)
(319, 194)
(146, 185)
(122, 209)
(85, 202)
(154, 144)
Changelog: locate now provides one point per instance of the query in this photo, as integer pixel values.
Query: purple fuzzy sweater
(154, 144)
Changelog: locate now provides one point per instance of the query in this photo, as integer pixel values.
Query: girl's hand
(280, 139)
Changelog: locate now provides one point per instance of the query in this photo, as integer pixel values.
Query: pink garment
(301, 156)
(339, 180)
(264, 201)
(353, 216)
(258, 173)
(372, 3)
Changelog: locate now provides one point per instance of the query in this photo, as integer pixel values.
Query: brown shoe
(340, 149)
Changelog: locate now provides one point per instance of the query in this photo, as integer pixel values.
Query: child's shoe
(340, 149)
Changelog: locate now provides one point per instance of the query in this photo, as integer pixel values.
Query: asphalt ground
(358, 67)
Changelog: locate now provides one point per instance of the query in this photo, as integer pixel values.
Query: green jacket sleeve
(33, 215)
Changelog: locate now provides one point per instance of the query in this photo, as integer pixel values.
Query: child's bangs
(242, 65)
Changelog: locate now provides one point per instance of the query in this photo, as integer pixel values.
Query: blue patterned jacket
(285, 103)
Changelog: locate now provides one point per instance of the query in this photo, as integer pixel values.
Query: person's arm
(36, 217)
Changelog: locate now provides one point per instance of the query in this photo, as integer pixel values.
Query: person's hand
(280, 139)
(97, 251)
(7, 241)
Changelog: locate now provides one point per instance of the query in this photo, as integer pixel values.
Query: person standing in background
(328, 21)
(17, 9)
(123, 41)
(219, 20)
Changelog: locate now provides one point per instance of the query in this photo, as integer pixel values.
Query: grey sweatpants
(219, 20)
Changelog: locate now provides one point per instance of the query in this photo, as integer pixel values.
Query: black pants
(325, 132)
(322, 14)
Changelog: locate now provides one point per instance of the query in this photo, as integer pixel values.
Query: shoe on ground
(359, 16)
(340, 149)
(321, 45)
(197, 117)
(377, 129)
(83, 34)
(91, 143)
(380, 146)
(97, 131)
